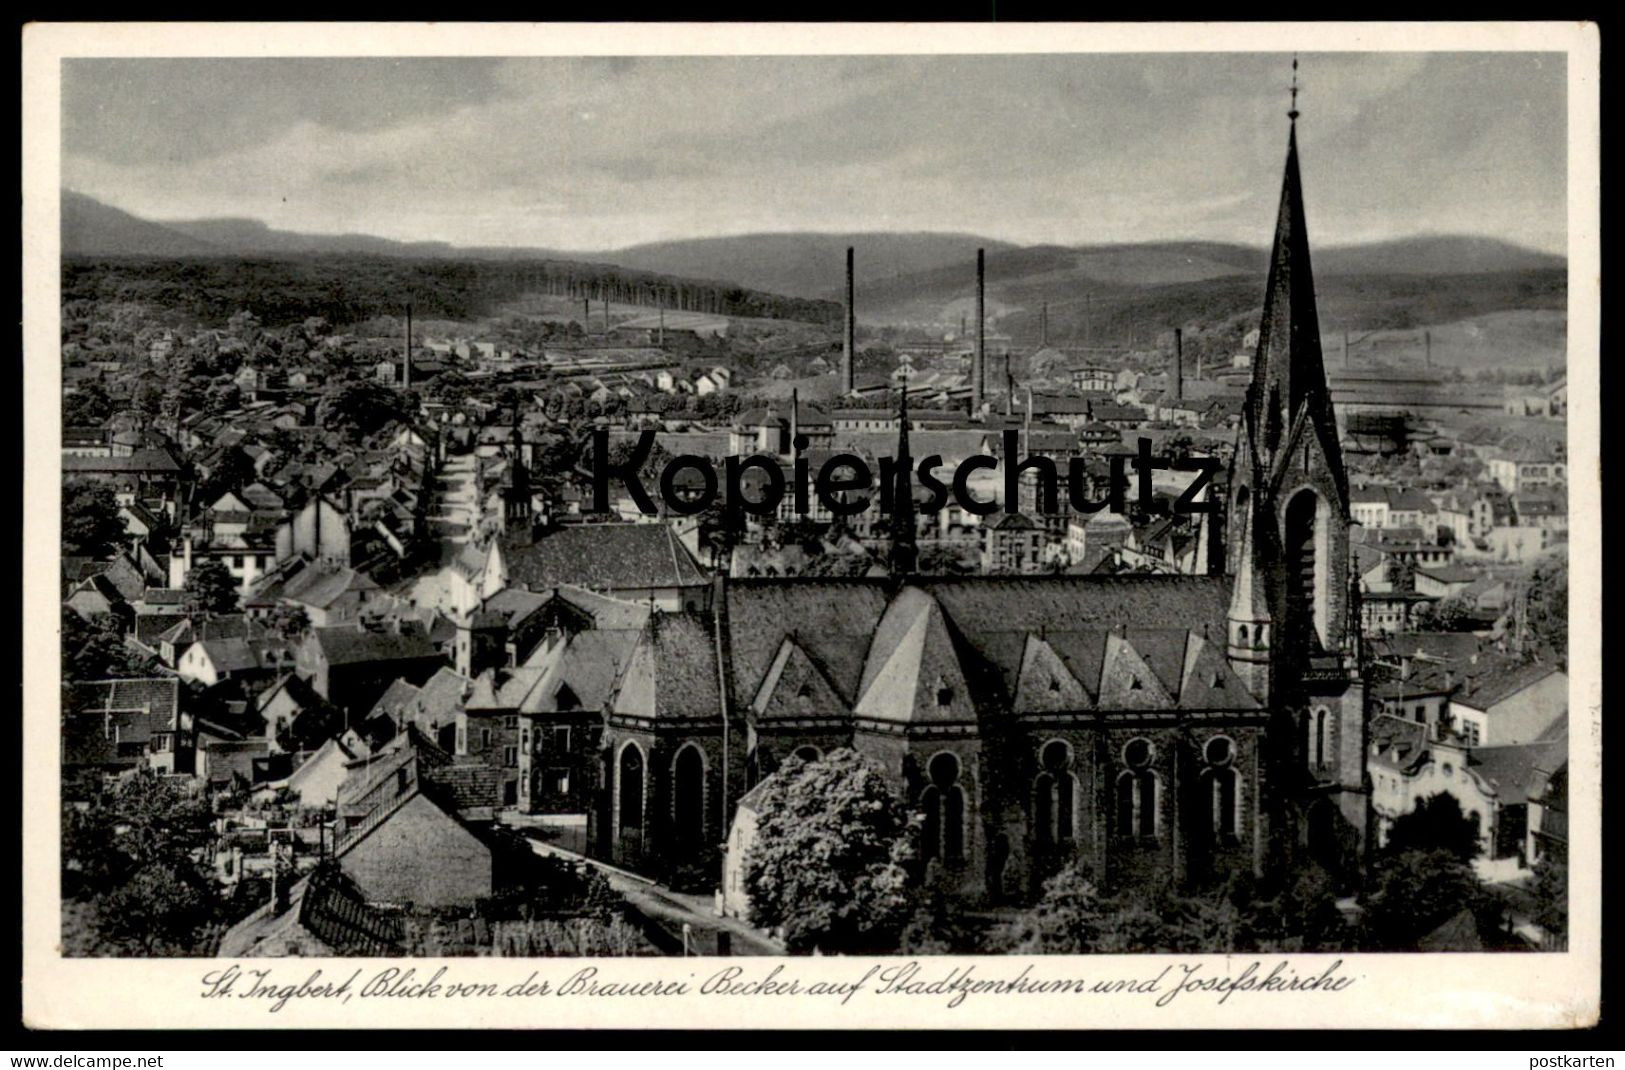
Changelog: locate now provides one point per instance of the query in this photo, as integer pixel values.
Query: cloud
(601, 152)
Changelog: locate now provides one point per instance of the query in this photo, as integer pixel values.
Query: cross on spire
(1293, 114)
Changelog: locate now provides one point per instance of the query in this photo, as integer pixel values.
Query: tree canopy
(91, 525)
(1436, 824)
(210, 588)
(830, 864)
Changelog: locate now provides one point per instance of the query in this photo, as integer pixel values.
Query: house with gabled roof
(115, 726)
(401, 836)
(352, 665)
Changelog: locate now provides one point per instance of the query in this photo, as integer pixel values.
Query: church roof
(1289, 376)
(1008, 636)
(605, 557)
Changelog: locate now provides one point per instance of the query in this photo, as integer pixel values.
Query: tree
(1068, 918)
(830, 862)
(362, 408)
(1411, 893)
(91, 525)
(137, 859)
(1401, 573)
(87, 406)
(233, 470)
(210, 589)
(1547, 604)
(1452, 614)
(942, 559)
(289, 620)
(1551, 896)
(97, 651)
(149, 398)
(1436, 824)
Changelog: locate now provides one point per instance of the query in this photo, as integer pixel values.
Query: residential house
(352, 665)
(115, 726)
(1406, 766)
(1012, 543)
(1505, 701)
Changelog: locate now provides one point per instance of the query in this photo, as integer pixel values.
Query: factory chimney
(407, 370)
(849, 332)
(1179, 364)
(1427, 349)
(1043, 325)
(976, 372)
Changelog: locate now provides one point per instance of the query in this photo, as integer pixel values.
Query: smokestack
(408, 370)
(1427, 349)
(795, 416)
(586, 313)
(1179, 364)
(1009, 384)
(849, 332)
(976, 371)
(1345, 349)
(961, 326)
(662, 326)
(1043, 325)
(606, 315)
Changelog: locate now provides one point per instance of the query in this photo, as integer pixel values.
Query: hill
(91, 228)
(250, 237)
(805, 264)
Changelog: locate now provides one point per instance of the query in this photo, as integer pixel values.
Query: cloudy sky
(596, 153)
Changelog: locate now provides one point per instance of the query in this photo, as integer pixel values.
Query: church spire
(1289, 376)
(904, 554)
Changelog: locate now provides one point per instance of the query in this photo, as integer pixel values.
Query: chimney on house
(1179, 364)
(849, 330)
(976, 372)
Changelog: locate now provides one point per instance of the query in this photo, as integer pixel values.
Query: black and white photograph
(906, 504)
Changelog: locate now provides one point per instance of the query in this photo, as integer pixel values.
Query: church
(1153, 727)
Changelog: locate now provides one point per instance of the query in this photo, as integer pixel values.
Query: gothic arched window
(630, 772)
(688, 794)
(1137, 792)
(1223, 784)
(943, 801)
(1306, 563)
(1054, 791)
